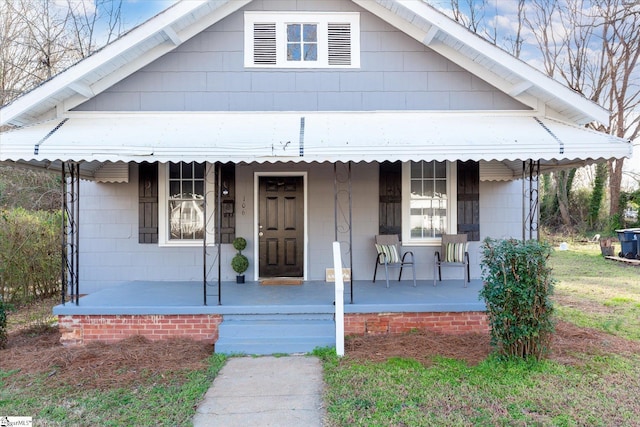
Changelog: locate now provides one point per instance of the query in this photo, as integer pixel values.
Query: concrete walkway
(264, 391)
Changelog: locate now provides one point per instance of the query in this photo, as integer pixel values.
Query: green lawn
(601, 391)
(169, 400)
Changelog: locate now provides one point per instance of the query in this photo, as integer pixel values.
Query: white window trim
(452, 208)
(163, 203)
(281, 19)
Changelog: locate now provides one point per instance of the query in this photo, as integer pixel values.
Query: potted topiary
(239, 263)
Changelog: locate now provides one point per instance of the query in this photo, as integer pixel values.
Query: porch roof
(507, 137)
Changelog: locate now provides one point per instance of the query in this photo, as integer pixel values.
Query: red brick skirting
(397, 323)
(82, 329)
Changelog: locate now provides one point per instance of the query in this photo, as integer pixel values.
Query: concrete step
(275, 333)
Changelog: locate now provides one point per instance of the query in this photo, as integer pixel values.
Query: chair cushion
(390, 251)
(454, 252)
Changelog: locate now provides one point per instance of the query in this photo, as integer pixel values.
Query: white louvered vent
(339, 43)
(264, 43)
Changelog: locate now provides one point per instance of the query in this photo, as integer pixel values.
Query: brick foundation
(397, 323)
(82, 329)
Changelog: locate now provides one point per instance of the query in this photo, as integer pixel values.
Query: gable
(208, 73)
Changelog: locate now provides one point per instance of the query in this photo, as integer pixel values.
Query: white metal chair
(454, 253)
(388, 254)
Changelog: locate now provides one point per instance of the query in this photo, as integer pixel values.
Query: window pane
(441, 189)
(310, 33)
(186, 219)
(198, 189)
(187, 170)
(416, 188)
(428, 170)
(293, 52)
(187, 190)
(416, 169)
(441, 170)
(293, 33)
(174, 170)
(198, 170)
(174, 189)
(310, 52)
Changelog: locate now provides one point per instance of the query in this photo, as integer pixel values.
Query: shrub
(517, 290)
(240, 263)
(29, 255)
(3, 324)
(239, 243)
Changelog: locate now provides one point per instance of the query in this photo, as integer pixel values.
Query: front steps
(275, 333)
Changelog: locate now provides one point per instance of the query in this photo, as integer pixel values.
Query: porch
(168, 298)
(265, 319)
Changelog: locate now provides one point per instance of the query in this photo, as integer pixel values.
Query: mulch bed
(133, 360)
(568, 343)
(99, 365)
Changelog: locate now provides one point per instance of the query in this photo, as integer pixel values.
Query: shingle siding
(207, 73)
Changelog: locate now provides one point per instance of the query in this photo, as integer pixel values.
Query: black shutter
(228, 226)
(469, 199)
(148, 202)
(390, 194)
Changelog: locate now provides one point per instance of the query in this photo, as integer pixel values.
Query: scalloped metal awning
(500, 140)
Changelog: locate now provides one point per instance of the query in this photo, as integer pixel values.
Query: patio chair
(388, 254)
(454, 253)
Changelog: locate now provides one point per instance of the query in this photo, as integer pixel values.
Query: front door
(281, 226)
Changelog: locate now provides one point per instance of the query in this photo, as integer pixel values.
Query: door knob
(261, 234)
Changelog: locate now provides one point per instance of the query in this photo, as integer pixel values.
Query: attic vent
(339, 43)
(264, 43)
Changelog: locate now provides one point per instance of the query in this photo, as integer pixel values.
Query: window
(428, 196)
(302, 40)
(182, 216)
(186, 201)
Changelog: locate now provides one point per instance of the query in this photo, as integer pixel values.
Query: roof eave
(434, 22)
(20, 111)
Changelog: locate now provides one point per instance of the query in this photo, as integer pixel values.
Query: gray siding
(111, 254)
(207, 73)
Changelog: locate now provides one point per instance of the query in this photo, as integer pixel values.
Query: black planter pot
(240, 279)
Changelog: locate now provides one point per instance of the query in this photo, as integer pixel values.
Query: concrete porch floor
(162, 298)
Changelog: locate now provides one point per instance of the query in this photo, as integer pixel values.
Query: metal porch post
(218, 234)
(348, 219)
(70, 284)
(530, 199)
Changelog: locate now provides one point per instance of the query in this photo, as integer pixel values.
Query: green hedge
(517, 290)
(29, 255)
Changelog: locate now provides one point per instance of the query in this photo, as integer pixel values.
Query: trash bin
(628, 242)
(636, 234)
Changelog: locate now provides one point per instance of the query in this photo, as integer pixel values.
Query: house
(294, 124)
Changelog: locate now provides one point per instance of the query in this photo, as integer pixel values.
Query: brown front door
(281, 226)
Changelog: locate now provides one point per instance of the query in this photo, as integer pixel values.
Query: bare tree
(40, 38)
(94, 27)
(594, 47)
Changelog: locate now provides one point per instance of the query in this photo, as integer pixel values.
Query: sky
(137, 11)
